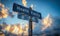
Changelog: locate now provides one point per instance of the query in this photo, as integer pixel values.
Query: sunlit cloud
(26, 29)
(18, 29)
(3, 11)
(33, 25)
(7, 28)
(47, 21)
(24, 2)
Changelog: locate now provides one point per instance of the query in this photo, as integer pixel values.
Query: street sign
(25, 10)
(26, 17)
(20, 9)
(27, 13)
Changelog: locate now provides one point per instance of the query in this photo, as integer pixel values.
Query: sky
(45, 7)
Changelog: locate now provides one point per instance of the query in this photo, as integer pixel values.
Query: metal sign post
(27, 11)
(30, 23)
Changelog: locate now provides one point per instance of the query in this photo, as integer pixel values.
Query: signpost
(27, 12)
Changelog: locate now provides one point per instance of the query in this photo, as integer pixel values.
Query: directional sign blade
(25, 10)
(20, 9)
(35, 19)
(25, 17)
(19, 15)
(36, 14)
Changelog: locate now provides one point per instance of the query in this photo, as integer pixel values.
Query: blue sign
(20, 9)
(23, 13)
(26, 17)
(23, 16)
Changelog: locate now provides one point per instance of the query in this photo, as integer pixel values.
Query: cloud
(47, 21)
(24, 3)
(3, 11)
